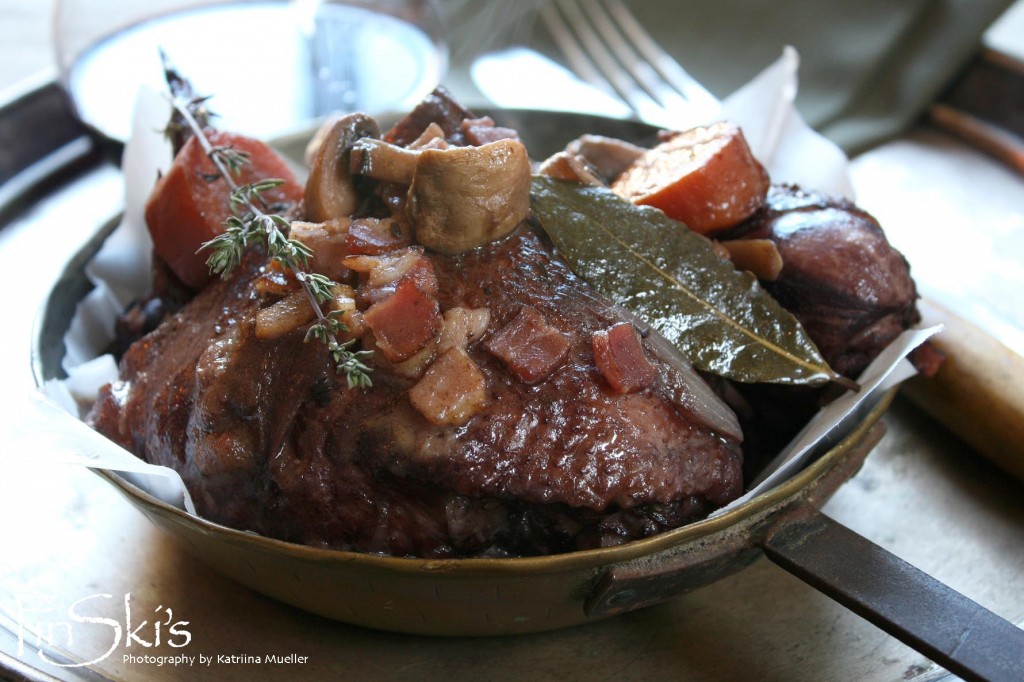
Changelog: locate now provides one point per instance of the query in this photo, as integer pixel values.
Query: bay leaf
(722, 319)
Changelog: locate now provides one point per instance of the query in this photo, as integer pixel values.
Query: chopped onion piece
(759, 256)
(384, 269)
(463, 326)
(414, 367)
(274, 280)
(286, 315)
(376, 236)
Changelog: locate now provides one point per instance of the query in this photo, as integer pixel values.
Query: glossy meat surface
(269, 440)
(848, 286)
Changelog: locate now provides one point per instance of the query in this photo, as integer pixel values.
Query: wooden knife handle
(978, 392)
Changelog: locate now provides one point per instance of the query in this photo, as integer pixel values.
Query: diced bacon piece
(530, 347)
(375, 236)
(478, 122)
(404, 322)
(328, 241)
(480, 131)
(436, 143)
(451, 391)
(422, 275)
(621, 358)
(380, 275)
(463, 326)
(430, 137)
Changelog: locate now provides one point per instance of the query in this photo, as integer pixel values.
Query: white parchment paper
(120, 271)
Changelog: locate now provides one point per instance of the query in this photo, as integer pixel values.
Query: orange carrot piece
(705, 177)
(188, 206)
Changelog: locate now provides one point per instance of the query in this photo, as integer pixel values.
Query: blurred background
(868, 69)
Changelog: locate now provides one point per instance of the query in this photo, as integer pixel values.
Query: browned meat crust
(841, 278)
(848, 286)
(268, 440)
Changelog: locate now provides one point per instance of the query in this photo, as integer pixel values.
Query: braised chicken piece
(850, 289)
(513, 411)
(824, 259)
(840, 276)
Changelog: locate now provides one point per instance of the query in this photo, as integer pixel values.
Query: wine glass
(270, 67)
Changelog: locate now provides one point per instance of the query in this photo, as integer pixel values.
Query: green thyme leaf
(252, 222)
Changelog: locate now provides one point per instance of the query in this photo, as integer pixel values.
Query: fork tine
(590, 57)
(668, 67)
(644, 74)
(572, 50)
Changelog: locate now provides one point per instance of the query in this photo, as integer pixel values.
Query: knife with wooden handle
(978, 392)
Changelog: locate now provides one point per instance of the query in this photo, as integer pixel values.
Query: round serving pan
(509, 596)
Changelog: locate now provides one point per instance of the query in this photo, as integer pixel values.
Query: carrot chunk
(190, 202)
(705, 177)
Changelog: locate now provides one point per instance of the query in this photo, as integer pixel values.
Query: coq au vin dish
(438, 347)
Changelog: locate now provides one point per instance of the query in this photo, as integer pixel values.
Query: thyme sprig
(252, 222)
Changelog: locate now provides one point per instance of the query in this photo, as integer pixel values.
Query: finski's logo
(43, 626)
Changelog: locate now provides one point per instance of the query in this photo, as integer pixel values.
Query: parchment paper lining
(120, 271)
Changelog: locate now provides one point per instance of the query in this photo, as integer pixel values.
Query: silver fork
(607, 47)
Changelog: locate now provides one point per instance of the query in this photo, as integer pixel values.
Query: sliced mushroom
(330, 192)
(591, 159)
(384, 161)
(606, 155)
(566, 166)
(459, 197)
(463, 197)
(759, 256)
